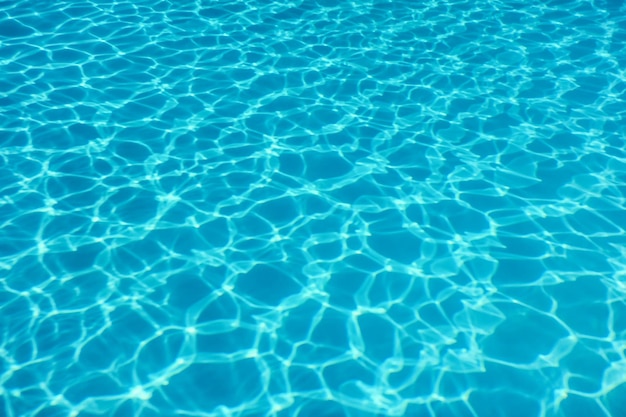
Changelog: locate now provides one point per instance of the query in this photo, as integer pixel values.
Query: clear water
(312, 208)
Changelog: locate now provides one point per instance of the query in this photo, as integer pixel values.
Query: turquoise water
(312, 208)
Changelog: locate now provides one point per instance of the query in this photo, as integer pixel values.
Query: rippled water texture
(312, 208)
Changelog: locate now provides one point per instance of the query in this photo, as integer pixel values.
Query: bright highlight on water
(312, 208)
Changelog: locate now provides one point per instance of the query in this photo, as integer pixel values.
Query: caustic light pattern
(312, 208)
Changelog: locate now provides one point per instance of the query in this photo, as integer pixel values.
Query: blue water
(312, 208)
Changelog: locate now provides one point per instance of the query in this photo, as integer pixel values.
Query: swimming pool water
(312, 208)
